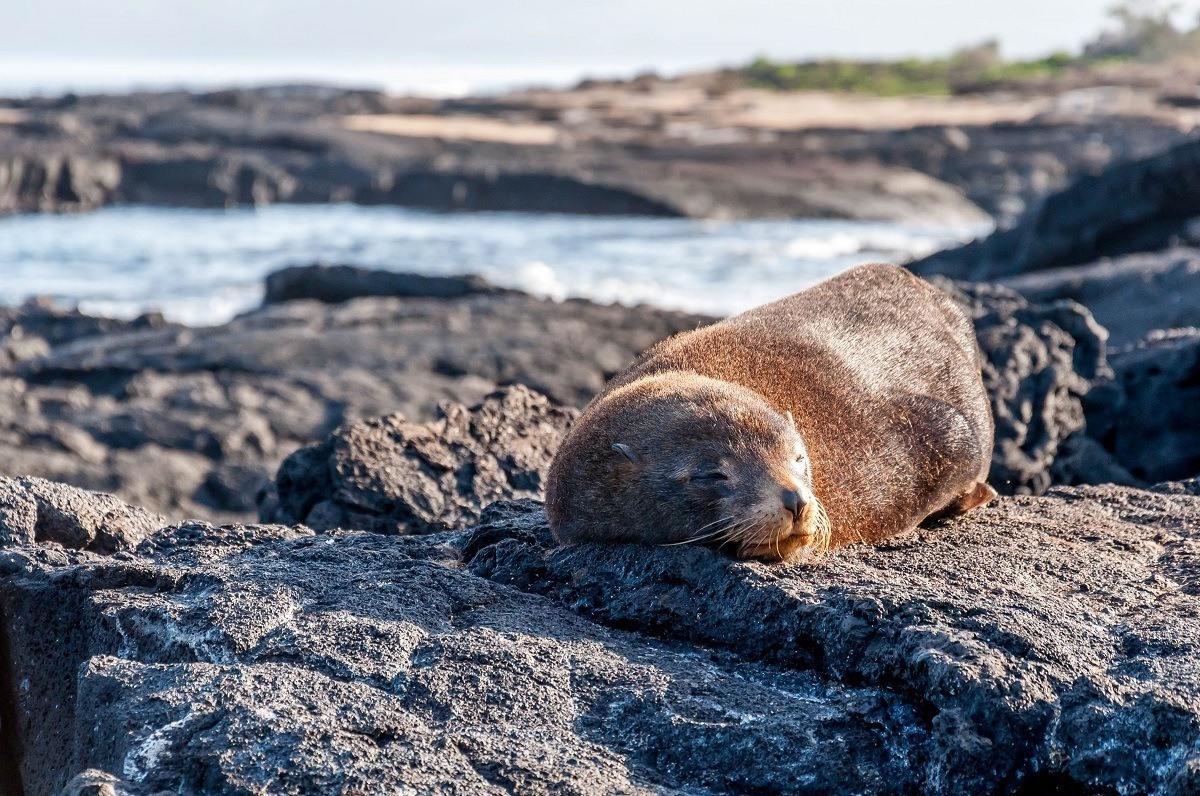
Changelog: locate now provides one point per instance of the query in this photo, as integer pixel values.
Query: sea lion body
(877, 371)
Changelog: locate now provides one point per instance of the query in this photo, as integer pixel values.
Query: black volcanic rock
(393, 476)
(1129, 296)
(223, 149)
(193, 422)
(701, 157)
(1010, 650)
(338, 283)
(1039, 363)
(389, 475)
(1148, 416)
(1141, 206)
(36, 511)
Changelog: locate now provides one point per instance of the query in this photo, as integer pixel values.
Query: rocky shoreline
(659, 148)
(325, 567)
(403, 620)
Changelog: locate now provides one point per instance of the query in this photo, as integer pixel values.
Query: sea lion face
(702, 462)
(743, 482)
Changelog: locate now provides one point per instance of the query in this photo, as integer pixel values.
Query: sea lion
(849, 412)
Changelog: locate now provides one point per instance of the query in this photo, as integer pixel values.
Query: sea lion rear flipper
(980, 493)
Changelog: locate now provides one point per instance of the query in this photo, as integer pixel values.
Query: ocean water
(205, 266)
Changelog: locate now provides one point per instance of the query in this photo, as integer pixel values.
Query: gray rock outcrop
(34, 511)
(305, 144)
(338, 283)
(1039, 362)
(1148, 416)
(1129, 296)
(1010, 650)
(1142, 206)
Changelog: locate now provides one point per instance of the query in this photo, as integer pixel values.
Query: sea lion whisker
(750, 530)
(699, 535)
(707, 525)
(745, 533)
(754, 537)
(738, 529)
(822, 531)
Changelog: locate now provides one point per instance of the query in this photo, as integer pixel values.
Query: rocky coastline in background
(684, 147)
(313, 558)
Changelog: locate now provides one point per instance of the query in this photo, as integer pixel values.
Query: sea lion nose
(793, 502)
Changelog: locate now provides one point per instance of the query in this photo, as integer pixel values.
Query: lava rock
(389, 475)
(192, 423)
(178, 148)
(1039, 363)
(1148, 417)
(36, 511)
(338, 283)
(1129, 296)
(1012, 648)
(1141, 206)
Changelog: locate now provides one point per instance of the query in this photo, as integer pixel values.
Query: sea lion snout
(794, 502)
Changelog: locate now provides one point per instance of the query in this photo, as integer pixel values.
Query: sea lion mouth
(767, 540)
(809, 535)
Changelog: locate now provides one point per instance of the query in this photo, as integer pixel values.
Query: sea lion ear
(792, 420)
(626, 451)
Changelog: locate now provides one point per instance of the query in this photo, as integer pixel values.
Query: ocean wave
(204, 266)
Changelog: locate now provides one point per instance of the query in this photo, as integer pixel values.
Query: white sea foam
(204, 266)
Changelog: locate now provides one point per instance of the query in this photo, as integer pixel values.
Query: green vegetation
(880, 78)
(1145, 32)
(954, 75)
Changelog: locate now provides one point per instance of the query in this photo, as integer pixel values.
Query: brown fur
(881, 373)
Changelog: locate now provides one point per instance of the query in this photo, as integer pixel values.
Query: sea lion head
(677, 458)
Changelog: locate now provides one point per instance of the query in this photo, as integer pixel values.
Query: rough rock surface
(1148, 416)
(1039, 363)
(1142, 206)
(389, 475)
(194, 422)
(655, 147)
(1041, 642)
(393, 476)
(33, 510)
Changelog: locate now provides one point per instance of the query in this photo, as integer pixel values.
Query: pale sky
(392, 43)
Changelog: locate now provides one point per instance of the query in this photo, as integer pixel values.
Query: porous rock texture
(1149, 414)
(37, 511)
(1040, 642)
(390, 475)
(194, 422)
(1129, 296)
(1039, 361)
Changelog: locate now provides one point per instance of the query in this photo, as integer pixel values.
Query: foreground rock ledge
(1043, 641)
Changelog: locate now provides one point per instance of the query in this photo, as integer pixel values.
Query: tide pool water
(205, 266)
